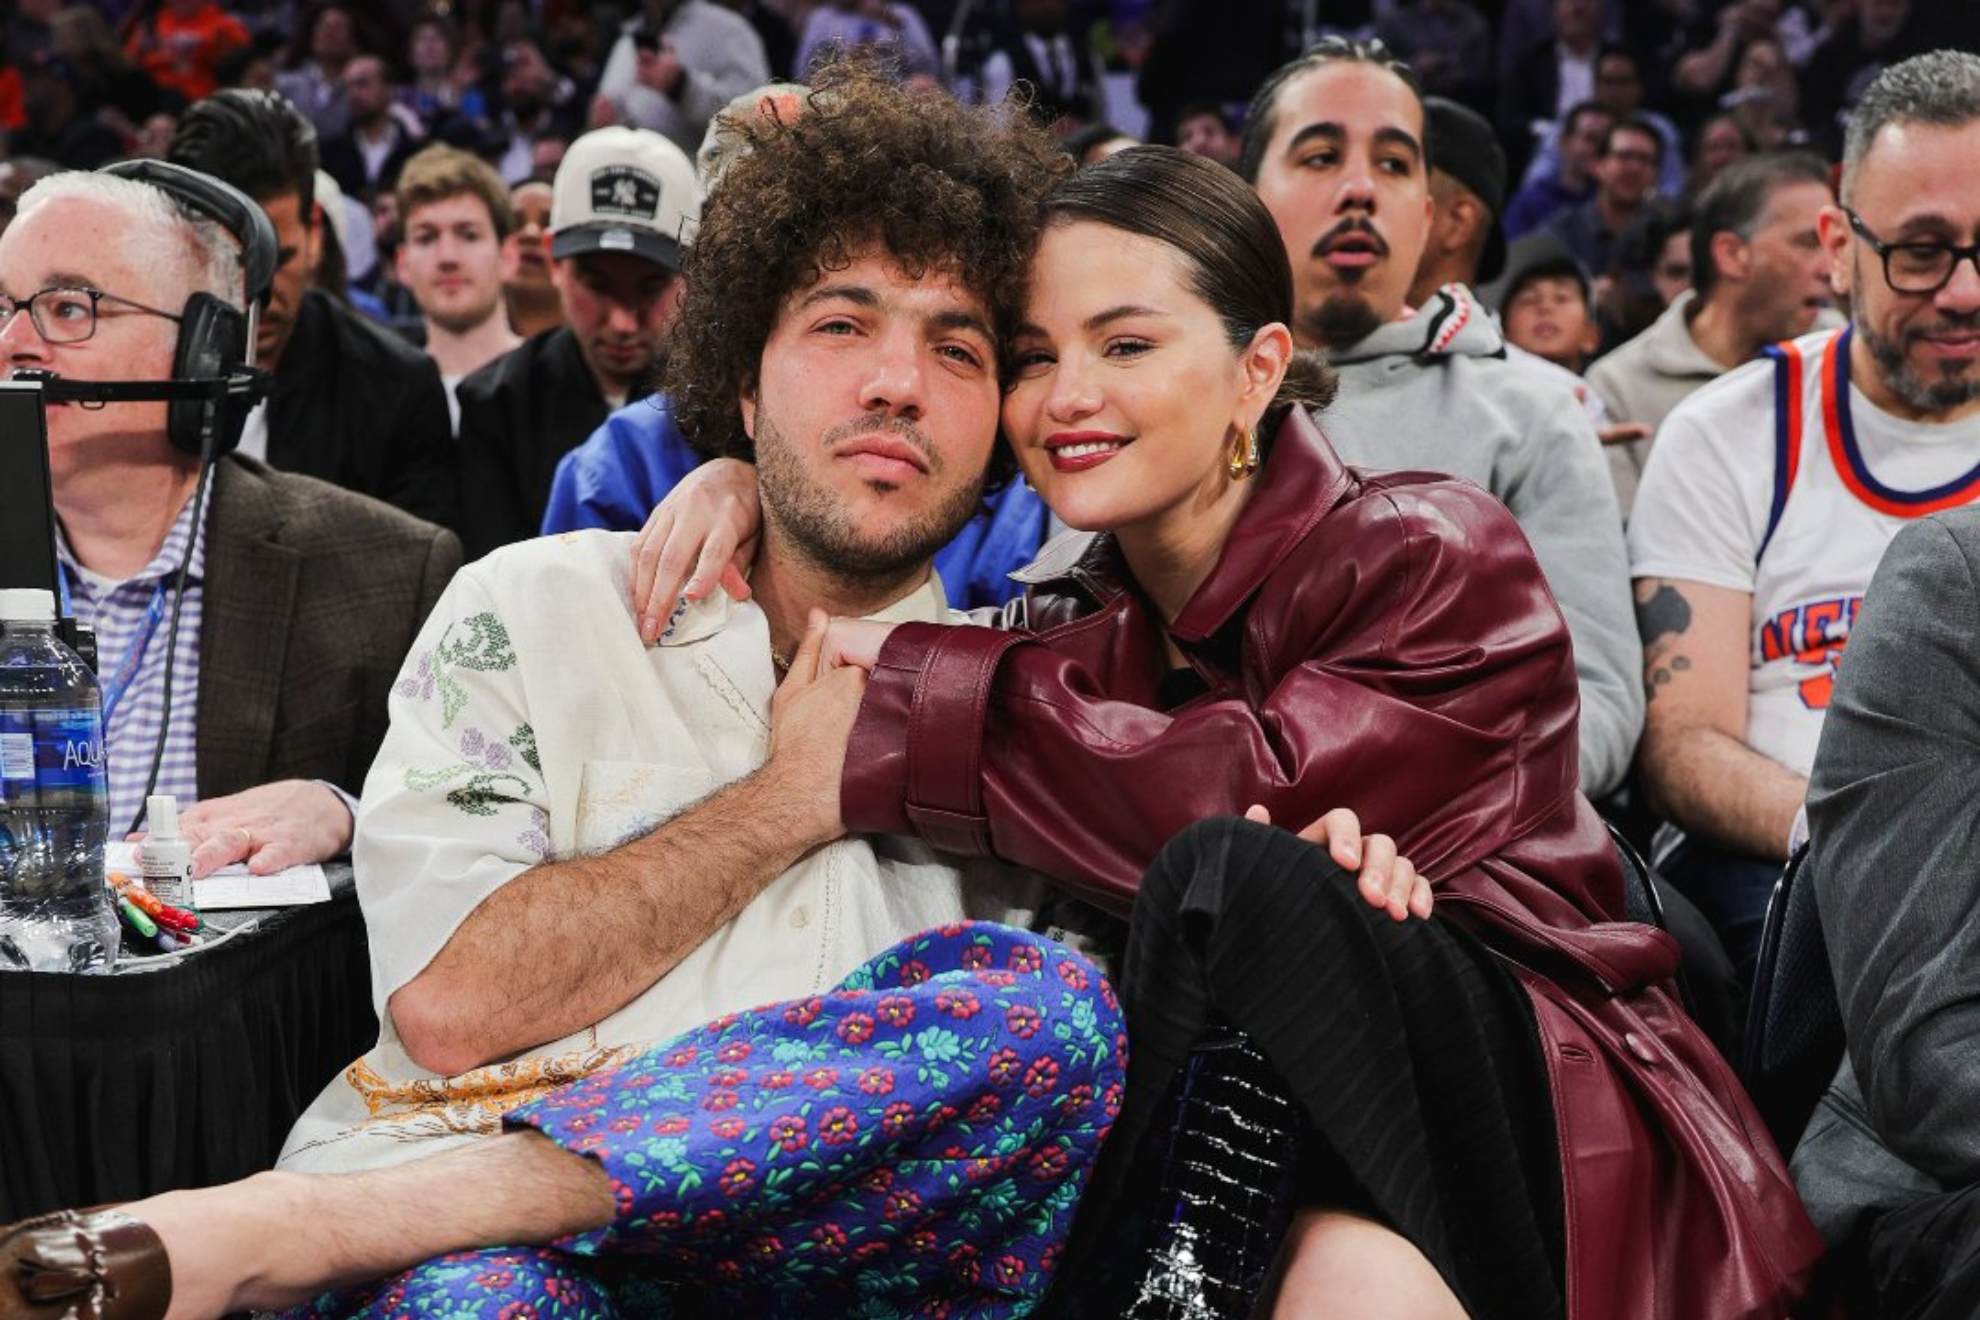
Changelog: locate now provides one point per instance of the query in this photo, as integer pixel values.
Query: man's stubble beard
(1895, 369)
(820, 531)
(1343, 317)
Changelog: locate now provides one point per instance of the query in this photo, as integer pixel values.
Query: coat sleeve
(1895, 849)
(1441, 712)
(421, 476)
(1566, 504)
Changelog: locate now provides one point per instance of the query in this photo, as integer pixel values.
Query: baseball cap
(1535, 256)
(624, 190)
(1464, 146)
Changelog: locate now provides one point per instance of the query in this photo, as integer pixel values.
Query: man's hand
(288, 823)
(855, 642)
(1386, 880)
(661, 69)
(708, 524)
(811, 722)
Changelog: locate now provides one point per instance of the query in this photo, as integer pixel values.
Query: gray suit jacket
(1894, 820)
(313, 596)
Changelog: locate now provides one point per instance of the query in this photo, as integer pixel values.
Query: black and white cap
(625, 190)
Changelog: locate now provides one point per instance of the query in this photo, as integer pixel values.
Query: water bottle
(56, 913)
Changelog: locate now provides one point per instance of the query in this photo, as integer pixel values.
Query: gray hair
(1941, 88)
(161, 234)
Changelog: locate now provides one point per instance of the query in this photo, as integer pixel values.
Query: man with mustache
(1773, 491)
(1335, 145)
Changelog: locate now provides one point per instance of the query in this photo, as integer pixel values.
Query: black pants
(1411, 1053)
(1922, 1262)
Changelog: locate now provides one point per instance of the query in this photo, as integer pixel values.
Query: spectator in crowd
(624, 210)
(1544, 196)
(455, 216)
(180, 43)
(536, 102)
(1652, 266)
(326, 42)
(154, 136)
(1619, 90)
(1887, 1166)
(251, 68)
(1449, 45)
(1204, 130)
(1704, 72)
(1871, 35)
(1759, 274)
(297, 602)
(29, 31)
(773, 28)
(1466, 244)
(440, 89)
(352, 403)
(890, 29)
(1207, 50)
(1546, 303)
(1722, 139)
(1765, 100)
(121, 95)
(16, 177)
(1625, 185)
(1751, 558)
(344, 243)
(1550, 79)
(674, 66)
(1043, 52)
(13, 102)
(1095, 142)
(1334, 144)
(366, 158)
(61, 126)
(529, 292)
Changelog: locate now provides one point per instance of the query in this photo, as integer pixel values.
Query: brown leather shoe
(83, 1265)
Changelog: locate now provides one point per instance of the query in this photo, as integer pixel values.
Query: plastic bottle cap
(27, 604)
(161, 816)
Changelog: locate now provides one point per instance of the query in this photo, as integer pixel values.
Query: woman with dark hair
(1502, 1109)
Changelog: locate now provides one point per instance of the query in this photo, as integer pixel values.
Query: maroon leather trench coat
(1383, 642)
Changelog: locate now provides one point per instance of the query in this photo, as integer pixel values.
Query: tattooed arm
(1695, 765)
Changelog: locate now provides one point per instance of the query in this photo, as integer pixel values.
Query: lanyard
(127, 668)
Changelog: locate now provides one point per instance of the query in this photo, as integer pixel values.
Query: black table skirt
(113, 1087)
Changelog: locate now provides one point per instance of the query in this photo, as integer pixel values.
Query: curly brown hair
(938, 185)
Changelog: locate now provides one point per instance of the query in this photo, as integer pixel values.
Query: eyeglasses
(68, 316)
(1916, 267)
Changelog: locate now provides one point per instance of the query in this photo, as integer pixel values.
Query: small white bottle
(163, 858)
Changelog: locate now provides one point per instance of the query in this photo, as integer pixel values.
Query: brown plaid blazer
(313, 595)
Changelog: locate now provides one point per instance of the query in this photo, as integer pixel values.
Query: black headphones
(214, 381)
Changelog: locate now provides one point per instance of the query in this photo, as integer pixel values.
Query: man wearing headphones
(249, 622)
(352, 403)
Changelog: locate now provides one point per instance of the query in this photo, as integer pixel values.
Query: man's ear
(1731, 255)
(748, 401)
(1833, 228)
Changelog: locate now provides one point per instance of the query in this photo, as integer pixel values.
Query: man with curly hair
(574, 846)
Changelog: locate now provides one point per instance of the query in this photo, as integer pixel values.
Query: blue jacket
(628, 465)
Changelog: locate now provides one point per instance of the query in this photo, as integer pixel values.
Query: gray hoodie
(1434, 393)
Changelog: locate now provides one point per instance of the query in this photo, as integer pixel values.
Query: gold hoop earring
(1243, 458)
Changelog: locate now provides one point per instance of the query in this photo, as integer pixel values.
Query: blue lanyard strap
(127, 668)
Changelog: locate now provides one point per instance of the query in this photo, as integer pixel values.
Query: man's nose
(19, 340)
(894, 382)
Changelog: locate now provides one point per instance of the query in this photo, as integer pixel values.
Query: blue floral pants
(911, 1144)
